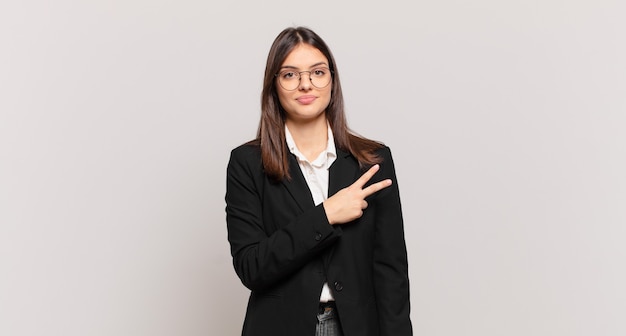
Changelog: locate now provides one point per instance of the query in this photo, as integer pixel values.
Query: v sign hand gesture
(348, 204)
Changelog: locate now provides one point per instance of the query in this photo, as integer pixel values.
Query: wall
(506, 120)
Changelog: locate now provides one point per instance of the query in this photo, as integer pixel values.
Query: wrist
(328, 216)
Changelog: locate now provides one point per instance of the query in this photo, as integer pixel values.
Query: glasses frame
(277, 76)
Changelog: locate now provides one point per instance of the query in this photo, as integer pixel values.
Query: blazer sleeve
(391, 280)
(262, 258)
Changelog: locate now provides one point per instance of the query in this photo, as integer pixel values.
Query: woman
(313, 210)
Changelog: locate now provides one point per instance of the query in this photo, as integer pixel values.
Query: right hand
(348, 204)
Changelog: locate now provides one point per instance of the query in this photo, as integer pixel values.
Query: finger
(376, 187)
(364, 205)
(366, 176)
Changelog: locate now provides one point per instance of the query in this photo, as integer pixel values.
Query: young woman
(313, 211)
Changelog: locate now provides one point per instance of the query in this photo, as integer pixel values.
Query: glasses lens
(320, 77)
(289, 79)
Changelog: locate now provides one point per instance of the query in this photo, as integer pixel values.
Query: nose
(305, 81)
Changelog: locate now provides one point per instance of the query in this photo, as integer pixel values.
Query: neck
(311, 138)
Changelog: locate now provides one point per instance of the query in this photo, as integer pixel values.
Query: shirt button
(318, 236)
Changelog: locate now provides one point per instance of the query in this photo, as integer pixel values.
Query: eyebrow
(296, 68)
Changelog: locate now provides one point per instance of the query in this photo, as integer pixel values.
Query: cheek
(327, 97)
(282, 98)
(326, 102)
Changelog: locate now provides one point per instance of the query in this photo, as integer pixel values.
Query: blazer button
(338, 286)
(318, 236)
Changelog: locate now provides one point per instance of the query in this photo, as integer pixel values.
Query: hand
(348, 204)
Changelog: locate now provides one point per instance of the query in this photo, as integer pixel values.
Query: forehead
(304, 56)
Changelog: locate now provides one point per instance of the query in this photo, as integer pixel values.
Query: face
(306, 102)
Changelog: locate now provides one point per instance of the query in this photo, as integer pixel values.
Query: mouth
(306, 99)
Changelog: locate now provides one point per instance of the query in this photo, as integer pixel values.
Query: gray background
(506, 120)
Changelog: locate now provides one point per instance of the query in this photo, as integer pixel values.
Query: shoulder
(387, 165)
(249, 148)
(384, 152)
(248, 154)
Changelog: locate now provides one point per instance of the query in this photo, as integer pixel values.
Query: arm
(262, 258)
(391, 281)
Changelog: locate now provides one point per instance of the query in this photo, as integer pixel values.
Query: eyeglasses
(290, 79)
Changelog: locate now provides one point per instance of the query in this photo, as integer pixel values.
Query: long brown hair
(271, 133)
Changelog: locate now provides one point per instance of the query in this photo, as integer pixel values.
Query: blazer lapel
(342, 173)
(297, 187)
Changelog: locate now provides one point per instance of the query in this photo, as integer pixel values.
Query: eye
(319, 72)
(288, 74)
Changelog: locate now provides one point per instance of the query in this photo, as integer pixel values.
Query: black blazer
(284, 249)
